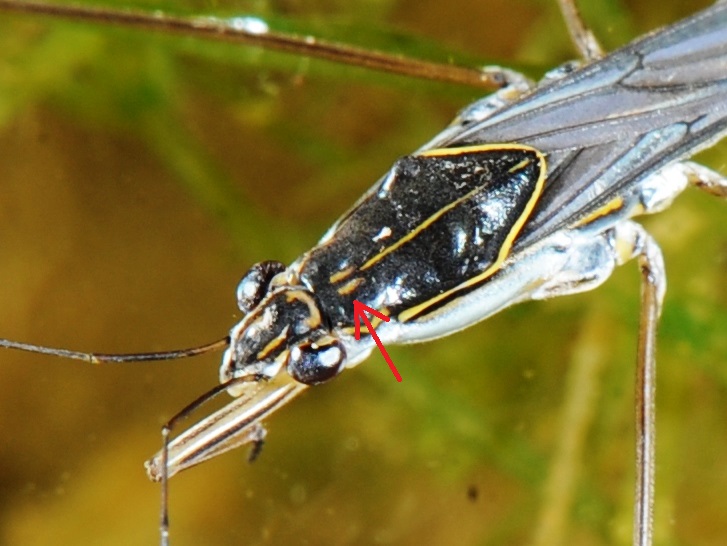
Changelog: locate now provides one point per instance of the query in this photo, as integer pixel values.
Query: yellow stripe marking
(417, 230)
(341, 275)
(439, 152)
(273, 344)
(315, 319)
(404, 316)
(462, 150)
(520, 166)
(612, 206)
(350, 286)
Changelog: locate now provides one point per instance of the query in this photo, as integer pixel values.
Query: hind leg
(706, 179)
(582, 37)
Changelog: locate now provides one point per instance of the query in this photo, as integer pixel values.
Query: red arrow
(359, 312)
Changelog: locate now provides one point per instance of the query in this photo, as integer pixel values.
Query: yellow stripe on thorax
(404, 316)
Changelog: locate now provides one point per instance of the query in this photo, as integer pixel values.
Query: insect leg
(706, 179)
(515, 85)
(634, 242)
(236, 424)
(162, 469)
(580, 34)
(590, 263)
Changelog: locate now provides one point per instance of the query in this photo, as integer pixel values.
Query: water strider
(518, 167)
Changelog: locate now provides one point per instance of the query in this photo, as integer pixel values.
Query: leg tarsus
(257, 437)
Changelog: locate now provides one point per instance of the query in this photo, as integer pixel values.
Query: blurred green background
(141, 175)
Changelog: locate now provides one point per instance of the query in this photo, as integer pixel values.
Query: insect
(298, 492)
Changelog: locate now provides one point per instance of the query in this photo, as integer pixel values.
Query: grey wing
(610, 124)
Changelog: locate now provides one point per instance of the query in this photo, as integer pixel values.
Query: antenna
(111, 358)
(255, 32)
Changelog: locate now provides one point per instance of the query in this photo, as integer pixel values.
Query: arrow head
(360, 308)
(359, 312)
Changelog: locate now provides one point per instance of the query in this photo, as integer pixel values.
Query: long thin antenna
(108, 358)
(253, 31)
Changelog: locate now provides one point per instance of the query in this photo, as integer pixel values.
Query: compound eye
(254, 285)
(316, 362)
